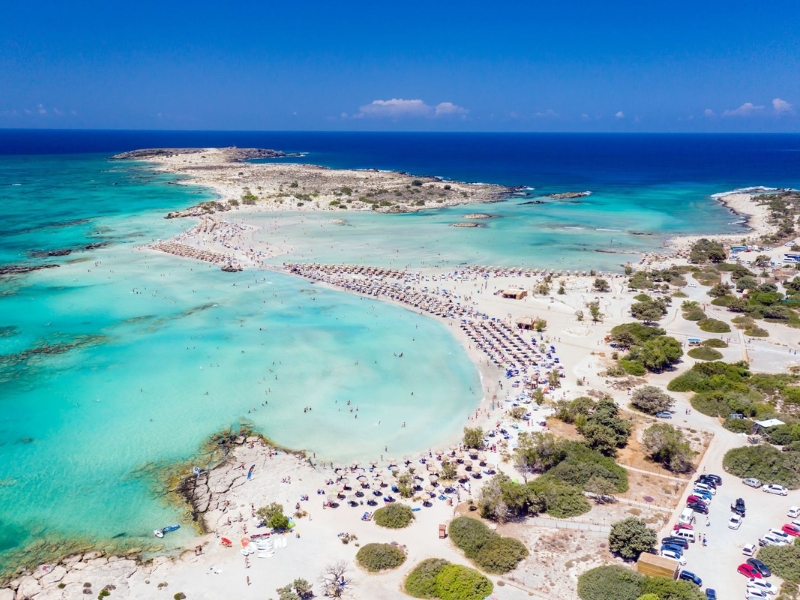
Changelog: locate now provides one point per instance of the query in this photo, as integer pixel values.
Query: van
(687, 516)
(685, 534)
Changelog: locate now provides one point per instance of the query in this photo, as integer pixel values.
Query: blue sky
(440, 66)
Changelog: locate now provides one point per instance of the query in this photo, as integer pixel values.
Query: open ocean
(147, 355)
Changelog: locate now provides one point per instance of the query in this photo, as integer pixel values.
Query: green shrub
(558, 499)
(501, 555)
(490, 551)
(714, 343)
(784, 561)
(671, 589)
(738, 425)
(457, 582)
(421, 582)
(756, 332)
(704, 353)
(379, 557)
(394, 516)
(633, 367)
(766, 463)
(714, 326)
(610, 583)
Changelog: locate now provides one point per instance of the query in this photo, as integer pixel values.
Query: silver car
(774, 488)
(752, 482)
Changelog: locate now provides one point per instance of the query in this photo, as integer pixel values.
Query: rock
(51, 594)
(54, 576)
(75, 558)
(102, 560)
(28, 588)
(92, 555)
(6, 594)
(21, 269)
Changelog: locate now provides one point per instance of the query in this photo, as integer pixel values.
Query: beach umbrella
(332, 498)
(352, 498)
(407, 458)
(392, 461)
(433, 478)
(245, 541)
(344, 481)
(459, 455)
(373, 462)
(362, 478)
(356, 463)
(453, 448)
(439, 452)
(467, 463)
(429, 488)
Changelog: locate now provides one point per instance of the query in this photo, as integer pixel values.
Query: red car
(693, 499)
(679, 526)
(791, 529)
(749, 571)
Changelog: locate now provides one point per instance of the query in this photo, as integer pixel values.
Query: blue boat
(159, 533)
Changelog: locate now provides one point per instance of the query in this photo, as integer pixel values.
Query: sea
(117, 363)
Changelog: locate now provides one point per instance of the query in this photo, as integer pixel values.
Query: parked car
(673, 547)
(676, 541)
(792, 530)
(679, 526)
(772, 540)
(760, 584)
(760, 567)
(752, 482)
(705, 495)
(748, 571)
(717, 479)
(735, 522)
(780, 534)
(697, 507)
(711, 594)
(689, 576)
(774, 488)
(712, 483)
(753, 592)
(749, 549)
(794, 512)
(694, 499)
(664, 414)
(674, 555)
(738, 507)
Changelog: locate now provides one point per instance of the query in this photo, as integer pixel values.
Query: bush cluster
(630, 537)
(666, 445)
(705, 353)
(487, 549)
(649, 348)
(394, 516)
(437, 578)
(379, 557)
(619, 583)
(705, 250)
(784, 561)
(765, 463)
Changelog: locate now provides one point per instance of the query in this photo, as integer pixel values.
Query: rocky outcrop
(22, 269)
(568, 195)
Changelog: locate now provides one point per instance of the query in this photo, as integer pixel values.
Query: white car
(762, 585)
(780, 534)
(794, 512)
(749, 549)
(735, 522)
(675, 556)
(774, 488)
(756, 593)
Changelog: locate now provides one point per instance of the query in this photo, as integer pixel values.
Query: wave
(746, 190)
(605, 229)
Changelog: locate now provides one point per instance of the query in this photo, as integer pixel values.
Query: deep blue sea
(154, 354)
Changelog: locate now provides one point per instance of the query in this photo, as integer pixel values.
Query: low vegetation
(273, 516)
(705, 250)
(394, 516)
(619, 583)
(490, 551)
(437, 578)
(766, 463)
(380, 557)
(704, 353)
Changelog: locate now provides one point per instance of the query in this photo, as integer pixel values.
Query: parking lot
(716, 564)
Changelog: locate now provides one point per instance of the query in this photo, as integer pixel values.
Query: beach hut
(514, 293)
(526, 323)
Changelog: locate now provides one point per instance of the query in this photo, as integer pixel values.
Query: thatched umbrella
(393, 462)
(453, 448)
(429, 488)
(407, 458)
(459, 455)
(332, 498)
(352, 499)
(438, 452)
(373, 462)
(362, 478)
(433, 478)
(356, 463)
(344, 481)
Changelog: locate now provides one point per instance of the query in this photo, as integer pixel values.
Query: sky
(625, 66)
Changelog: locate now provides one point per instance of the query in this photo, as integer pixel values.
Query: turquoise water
(161, 353)
(602, 231)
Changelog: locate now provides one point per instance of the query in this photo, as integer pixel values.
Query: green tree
(594, 310)
(405, 485)
(746, 283)
(278, 522)
(651, 400)
(473, 437)
(660, 353)
(601, 285)
(646, 311)
(630, 537)
(448, 472)
(302, 588)
(666, 445)
(457, 582)
(611, 582)
(602, 488)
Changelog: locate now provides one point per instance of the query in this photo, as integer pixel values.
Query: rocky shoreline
(233, 153)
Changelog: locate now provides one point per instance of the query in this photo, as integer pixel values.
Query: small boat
(159, 533)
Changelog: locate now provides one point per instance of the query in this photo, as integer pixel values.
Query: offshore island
(578, 370)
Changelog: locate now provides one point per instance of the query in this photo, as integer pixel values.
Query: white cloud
(620, 115)
(548, 114)
(745, 110)
(709, 113)
(42, 110)
(782, 107)
(398, 107)
(448, 108)
(585, 117)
